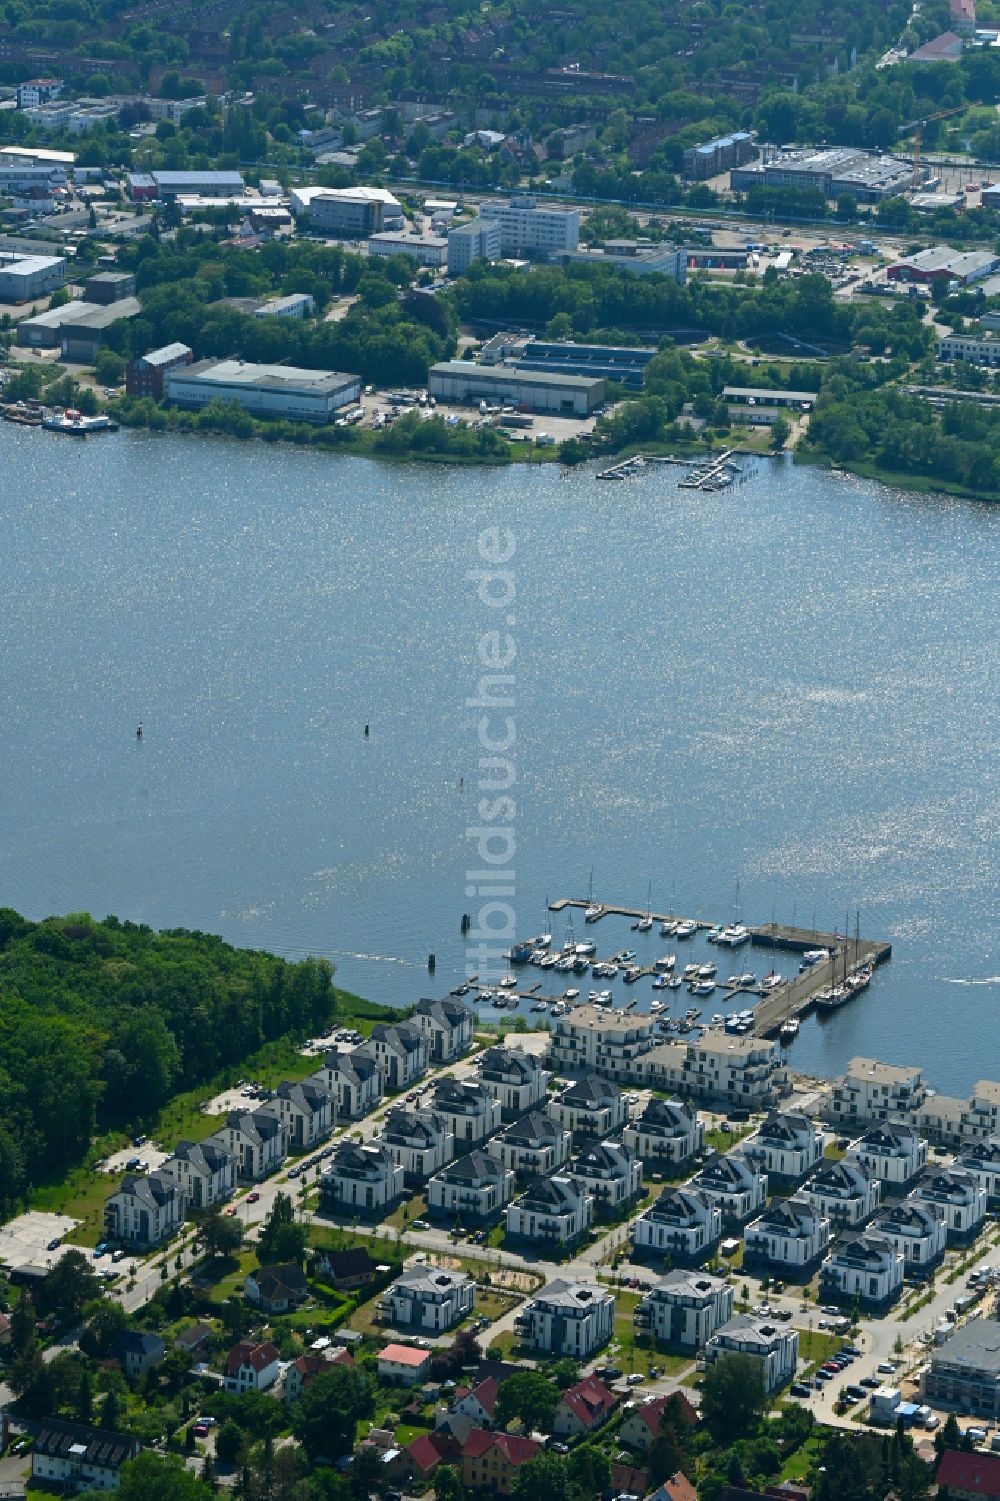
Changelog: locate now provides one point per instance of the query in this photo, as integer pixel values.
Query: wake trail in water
(985, 980)
(375, 958)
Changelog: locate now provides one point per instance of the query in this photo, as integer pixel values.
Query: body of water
(791, 686)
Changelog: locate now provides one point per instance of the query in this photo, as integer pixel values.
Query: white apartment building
(791, 1234)
(551, 1211)
(144, 1211)
(787, 1145)
(722, 1068)
(960, 1198)
(683, 1222)
(867, 1267)
(353, 1080)
(685, 1309)
(983, 1115)
(872, 1091)
(917, 1230)
(609, 1173)
(305, 1110)
(893, 1152)
(977, 349)
(591, 1106)
(428, 1297)
(846, 1192)
(204, 1170)
(982, 1162)
(426, 250)
(515, 1079)
(567, 1318)
(258, 1141)
(420, 1141)
(449, 1025)
(529, 230)
(401, 1051)
(534, 1144)
(667, 1131)
(735, 1183)
(588, 1038)
(776, 1346)
(38, 91)
(478, 240)
(363, 1179)
(473, 1188)
(468, 1107)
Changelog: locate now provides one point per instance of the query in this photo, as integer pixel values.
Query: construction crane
(918, 136)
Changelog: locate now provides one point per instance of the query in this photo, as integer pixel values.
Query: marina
(711, 472)
(832, 969)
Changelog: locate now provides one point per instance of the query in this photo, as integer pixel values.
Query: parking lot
(26, 1240)
(150, 1156)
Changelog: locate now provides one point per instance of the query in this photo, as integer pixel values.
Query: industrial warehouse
(25, 276)
(264, 390)
(536, 390)
(842, 169)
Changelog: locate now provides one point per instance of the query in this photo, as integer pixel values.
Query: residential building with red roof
(643, 1424)
(250, 1367)
(677, 1488)
(969, 1477)
(403, 1365)
(422, 1456)
(491, 1460)
(582, 1408)
(477, 1403)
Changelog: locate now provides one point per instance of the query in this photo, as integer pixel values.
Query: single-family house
(250, 1367)
(735, 1183)
(516, 1079)
(491, 1460)
(362, 1178)
(790, 1236)
(684, 1309)
(583, 1408)
(683, 1223)
(428, 1297)
(276, 1289)
(403, 1365)
(676, 1487)
(448, 1025)
(472, 1189)
(137, 1352)
(348, 1269)
(144, 1211)
(532, 1145)
(476, 1403)
(419, 1141)
(567, 1318)
(551, 1211)
(667, 1132)
(643, 1423)
(591, 1106)
(775, 1345)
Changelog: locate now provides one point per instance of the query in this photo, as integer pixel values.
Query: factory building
(977, 349)
(942, 265)
(428, 250)
(625, 365)
(532, 390)
(527, 229)
(347, 213)
(720, 155)
(840, 169)
(146, 375)
(18, 176)
(170, 185)
(23, 277)
(264, 390)
(109, 286)
(82, 334)
(479, 240)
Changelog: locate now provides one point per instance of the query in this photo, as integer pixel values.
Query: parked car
(886, 1368)
(870, 1383)
(118, 1255)
(101, 1249)
(54, 1244)
(800, 1389)
(253, 1198)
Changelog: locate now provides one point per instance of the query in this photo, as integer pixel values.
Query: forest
(102, 1021)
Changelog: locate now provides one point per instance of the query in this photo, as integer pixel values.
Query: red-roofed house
(422, 1456)
(478, 1404)
(491, 1460)
(969, 1477)
(251, 1368)
(643, 1424)
(403, 1365)
(628, 1480)
(582, 1408)
(303, 1371)
(677, 1488)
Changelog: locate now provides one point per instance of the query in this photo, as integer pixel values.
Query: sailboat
(645, 923)
(544, 939)
(593, 910)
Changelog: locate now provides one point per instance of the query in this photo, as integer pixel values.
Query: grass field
(798, 1465)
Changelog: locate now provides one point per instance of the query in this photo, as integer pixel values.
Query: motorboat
(690, 971)
(814, 956)
(667, 962)
(521, 952)
(685, 929)
(771, 981)
(734, 935)
(549, 962)
(586, 949)
(580, 965)
(789, 1029)
(563, 965)
(703, 987)
(706, 972)
(570, 995)
(747, 979)
(718, 1019)
(559, 1009)
(539, 1006)
(655, 1006)
(714, 934)
(675, 982)
(593, 913)
(660, 982)
(668, 929)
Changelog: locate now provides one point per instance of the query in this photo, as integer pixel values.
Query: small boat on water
(668, 929)
(703, 987)
(587, 948)
(660, 982)
(771, 981)
(508, 982)
(734, 935)
(631, 974)
(686, 929)
(789, 1029)
(690, 971)
(747, 979)
(521, 952)
(593, 913)
(665, 963)
(570, 995)
(675, 982)
(75, 423)
(706, 972)
(714, 935)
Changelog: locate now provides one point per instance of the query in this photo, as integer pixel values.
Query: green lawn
(798, 1465)
(405, 1213)
(724, 1141)
(815, 1346)
(224, 1278)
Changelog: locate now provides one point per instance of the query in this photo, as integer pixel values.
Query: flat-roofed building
(147, 373)
(23, 277)
(295, 305)
(720, 155)
(478, 240)
(589, 1038)
(976, 349)
(965, 1370)
(426, 250)
(80, 337)
(265, 390)
(873, 1091)
(528, 228)
(685, 1308)
(205, 184)
(347, 213)
(764, 396)
(536, 390)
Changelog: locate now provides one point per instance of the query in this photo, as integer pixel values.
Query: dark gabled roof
(603, 1159)
(531, 1128)
(402, 1036)
(307, 1095)
(499, 1062)
(448, 1011)
(679, 1204)
(154, 1190)
(211, 1154)
(869, 1248)
(783, 1126)
(468, 1097)
(472, 1168)
(674, 1115)
(551, 1196)
(354, 1262)
(724, 1173)
(908, 1212)
(842, 1176)
(888, 1136)
(357, 1065)
(136, 1342)
(789, 1216)
(94, 1446)
(593, 1091)
(423, 1125)
(279, 1283)
(257, 1356)
(351, 1157)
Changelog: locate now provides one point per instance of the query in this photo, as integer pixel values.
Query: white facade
(592, 1106)
(744, 1071)
(353, 1080)
(257, 1140)
(982, 1162)
(427, 250)
(305, 1110)
(38, 91)
(23, 277)
(735, 1184)
(361, 1179)
(685, 1309)
(429, 1297)
(872, 1091)
(401, 1051)
(144, 1211)
(791, 1234)
(787, 1145)
(251, 1368)
(915, 1229)
(587, 1038)
(567, 1318)
(515, 1078)
(264, 390)
(977, 349)
(683, 1223)
(448, 1025)
(471, 1112)
(776, 1346)
(668, 1131)
(420, 1141)
(846, 1192)
(960, 1198)
(611, 1174)
(534, 1144)
(205, 1172)
(527, 229)
(348, 213)
(295, 305)
(892, 1151)
(474, 1187)
(479, 240)
(551, 1210)
(869, 1268)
